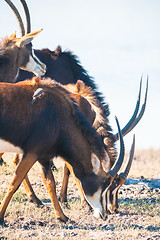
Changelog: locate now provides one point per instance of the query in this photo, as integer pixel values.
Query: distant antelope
(54, 126)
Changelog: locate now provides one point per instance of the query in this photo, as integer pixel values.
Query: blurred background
(116, 41)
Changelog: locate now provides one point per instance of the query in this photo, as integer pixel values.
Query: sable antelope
(85, 99)
(64, 68)
(17, 53)
(54, 126)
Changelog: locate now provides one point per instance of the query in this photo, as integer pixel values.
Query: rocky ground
(139, 206)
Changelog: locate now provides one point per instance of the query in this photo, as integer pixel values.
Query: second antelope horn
(19, 19)
(131, 121)
(27, 14)
(141, 112)
(113, 171)
(128, 166)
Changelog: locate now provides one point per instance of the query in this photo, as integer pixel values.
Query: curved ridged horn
(131, 124)
(28, 22)
(21, 26)
(113, 171)
(131, 121)
(128, 166)
(142, 110)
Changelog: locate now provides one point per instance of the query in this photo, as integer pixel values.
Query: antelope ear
(79, 86)
(13, 36)
(27, 38)
(95, 163)
(58, 50)
(105, 141)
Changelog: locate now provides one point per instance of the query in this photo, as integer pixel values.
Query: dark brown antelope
(88, 104)
(65, 68)
(16, 53)
(93, 113)
(54, 126)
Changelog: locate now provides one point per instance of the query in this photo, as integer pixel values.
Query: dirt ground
(139, 206)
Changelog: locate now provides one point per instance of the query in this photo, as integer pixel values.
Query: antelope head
(119, 180)
(29, 62)
(97, 184)
(16, 53)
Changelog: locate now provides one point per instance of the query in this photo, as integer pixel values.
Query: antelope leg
(49, 182)
(24, 166)
(27, 185)
(63, 193)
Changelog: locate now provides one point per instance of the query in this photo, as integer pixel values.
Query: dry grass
(139, 216)
(146, 163)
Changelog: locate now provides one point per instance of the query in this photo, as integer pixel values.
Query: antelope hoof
(2, 223)
(37, 201)
(116, 211)
(62, 198)
(2, 161)
(60, 220)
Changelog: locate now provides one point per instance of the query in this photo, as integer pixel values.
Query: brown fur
(53, 126)
(16, 53)
(80, 93)
(86, 92)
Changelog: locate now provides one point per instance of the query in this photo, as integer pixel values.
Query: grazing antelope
(89, 106)
(54, 126)
(65, 68)
(92, 111)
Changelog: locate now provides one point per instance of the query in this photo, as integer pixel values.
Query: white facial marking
(108, 201)
(9, 147)
(37, 67)
(104, 198)
(114, 199)
(97, 212)
(95, 203)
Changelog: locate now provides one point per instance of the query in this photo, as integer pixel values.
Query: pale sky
(116, 41)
